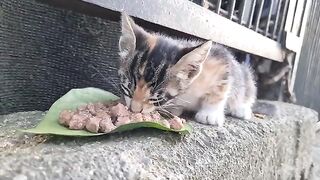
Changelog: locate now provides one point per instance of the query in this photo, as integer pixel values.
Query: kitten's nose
(136, 107)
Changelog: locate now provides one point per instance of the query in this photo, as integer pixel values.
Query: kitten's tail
(249, 82)
(259, 107)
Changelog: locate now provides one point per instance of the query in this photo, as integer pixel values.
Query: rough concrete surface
(316, 158)
(276, 147)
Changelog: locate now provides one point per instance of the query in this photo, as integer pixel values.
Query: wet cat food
(100, 117)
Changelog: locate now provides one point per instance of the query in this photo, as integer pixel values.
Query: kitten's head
(155, 69)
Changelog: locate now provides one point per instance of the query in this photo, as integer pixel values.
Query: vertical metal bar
(298, 17)
(251, 14)
(231, 6)
(269, 17)
(242, 11)
(290, 15)
(218, 6)
(277, 19)
(283, 20)
(302, 33)
(257, 22)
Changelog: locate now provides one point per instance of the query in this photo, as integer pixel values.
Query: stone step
(277, 147)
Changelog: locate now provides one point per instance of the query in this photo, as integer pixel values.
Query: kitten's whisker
(172, 106)
(114, 84)
(116, 87)
(156, 101)
(110, 80)
(183, 100)
(163, 110)
(160, 89)
(158, 85)
(169, 115)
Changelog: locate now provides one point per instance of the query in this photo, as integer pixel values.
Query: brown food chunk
(100, 107)
(122, 120)
(136, 117)
(95, 108)
(183, 120)
(165, 123)
(106, 124)
(102, 114)
(119, 110)
(92, 124)
(91, 108)
(156, 116)
(147, 117)
(78, 121)
(99, 117)
(65, 117)
(176, 123)
(82, 108)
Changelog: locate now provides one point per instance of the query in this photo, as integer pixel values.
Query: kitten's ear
(130, 34)
(189, 66)
(127, 41)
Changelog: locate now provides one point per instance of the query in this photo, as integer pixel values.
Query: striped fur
(171, 75)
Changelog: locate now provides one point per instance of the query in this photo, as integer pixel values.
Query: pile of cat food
(104, 118)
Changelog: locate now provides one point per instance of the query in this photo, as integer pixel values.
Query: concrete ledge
(276, 147)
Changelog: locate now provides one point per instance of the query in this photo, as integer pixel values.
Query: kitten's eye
(159, 102)
(155, 98)
(160, 92)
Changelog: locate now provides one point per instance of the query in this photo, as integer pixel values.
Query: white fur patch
(242, 112)
(211, 114)
(128, 100)
(123, 53)
(182, 76)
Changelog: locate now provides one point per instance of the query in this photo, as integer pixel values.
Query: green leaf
(77, 97)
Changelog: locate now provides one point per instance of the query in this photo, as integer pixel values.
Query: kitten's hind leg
(242, 111)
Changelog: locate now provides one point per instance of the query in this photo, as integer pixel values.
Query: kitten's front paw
(212, 117)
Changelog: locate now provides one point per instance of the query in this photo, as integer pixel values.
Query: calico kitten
(171, 75)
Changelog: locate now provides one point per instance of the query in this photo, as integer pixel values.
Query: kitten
(170, 75)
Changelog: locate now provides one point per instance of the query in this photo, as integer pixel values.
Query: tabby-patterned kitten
(171, 75)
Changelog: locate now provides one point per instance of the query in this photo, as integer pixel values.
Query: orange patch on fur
(142, 91)
(211, 81)
(152, 41)
(217, 94)
(140, 99)
(219, 87)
